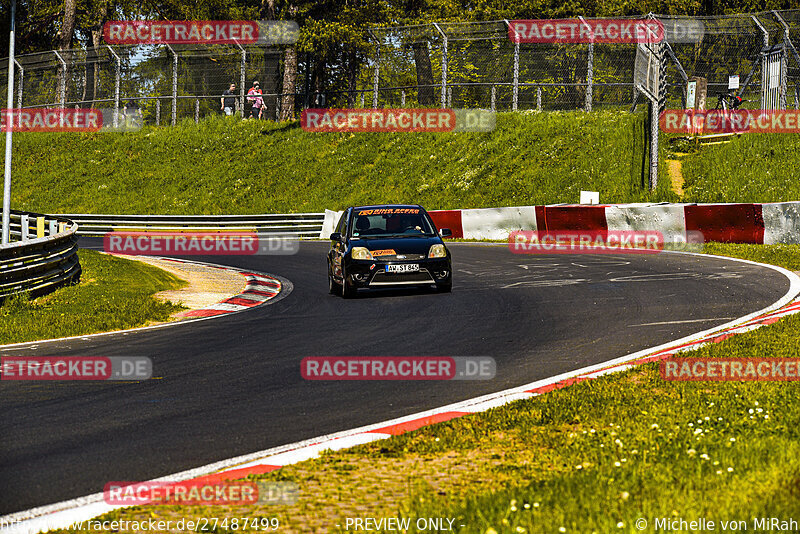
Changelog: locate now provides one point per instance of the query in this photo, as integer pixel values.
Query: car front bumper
(370, 273)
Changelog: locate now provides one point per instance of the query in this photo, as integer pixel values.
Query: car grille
(422, 277)
(406, 257)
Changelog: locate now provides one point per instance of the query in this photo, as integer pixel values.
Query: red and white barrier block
(769, 223)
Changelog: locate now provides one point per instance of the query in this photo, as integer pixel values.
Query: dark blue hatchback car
(387, 245)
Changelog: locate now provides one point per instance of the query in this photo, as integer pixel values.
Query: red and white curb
(259, 289)
(62, 515)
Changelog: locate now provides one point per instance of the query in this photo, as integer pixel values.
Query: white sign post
(7, 175)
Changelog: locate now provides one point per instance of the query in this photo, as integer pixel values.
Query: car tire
(445, 287)
(348, 291)
(333, 287)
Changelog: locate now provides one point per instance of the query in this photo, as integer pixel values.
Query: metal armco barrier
(42, 254)
(300, 225)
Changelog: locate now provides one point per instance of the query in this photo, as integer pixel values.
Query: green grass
(113, 294)
(592, 457)
(225, 165)
(751, 168)
(787, 256)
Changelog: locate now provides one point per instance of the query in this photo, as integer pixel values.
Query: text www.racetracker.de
(201, 524)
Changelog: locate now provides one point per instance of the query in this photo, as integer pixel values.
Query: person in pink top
(257, 103)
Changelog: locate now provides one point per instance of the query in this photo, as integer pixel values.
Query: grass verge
(751, 168)
(594, 457)
(113, 294)
(226, 165)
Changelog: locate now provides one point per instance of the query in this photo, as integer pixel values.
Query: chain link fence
(459, 65)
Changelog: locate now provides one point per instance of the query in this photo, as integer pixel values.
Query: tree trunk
(289, 83)
(422, 60)
(67, 26)
(97, 36)
(268, 9)
(352, 77)
(64, 39)
(320, 68)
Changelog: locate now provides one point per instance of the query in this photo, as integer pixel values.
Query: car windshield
(387, 222)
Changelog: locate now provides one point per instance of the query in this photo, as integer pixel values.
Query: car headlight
(361, 253)
(437, 251)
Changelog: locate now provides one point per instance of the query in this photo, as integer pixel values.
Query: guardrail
(42, 254)
(301, 225)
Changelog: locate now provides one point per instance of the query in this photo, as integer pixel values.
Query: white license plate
(403, 268)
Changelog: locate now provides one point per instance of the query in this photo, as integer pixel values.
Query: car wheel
(333, 287)
(445, 288)
(348, 291)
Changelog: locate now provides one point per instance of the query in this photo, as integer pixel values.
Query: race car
(387, 245)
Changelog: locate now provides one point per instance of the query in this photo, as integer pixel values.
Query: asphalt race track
(232, 385)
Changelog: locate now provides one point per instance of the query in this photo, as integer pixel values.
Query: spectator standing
(228, 100)
(256, 101)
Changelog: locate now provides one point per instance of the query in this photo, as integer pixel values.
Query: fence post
(362, 100)
(764, 60)
(25, 224)
(242, 67)
(787, 36)
(515, 75)
(403, 98)
(653, 145)
(444, 65)
(196, 110)
(539, 97)
(62, 82)
(19, 83)
(116, 85)
(515, 100)
(494, 96)
(375, 80)
(158, 111)
(174, 84)
(589, 70)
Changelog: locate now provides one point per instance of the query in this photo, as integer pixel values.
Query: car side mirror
(445, 232)
(336, 236)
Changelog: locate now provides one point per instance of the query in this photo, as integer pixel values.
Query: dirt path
(676, 175)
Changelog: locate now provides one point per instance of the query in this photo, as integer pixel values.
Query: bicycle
(728, 101)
